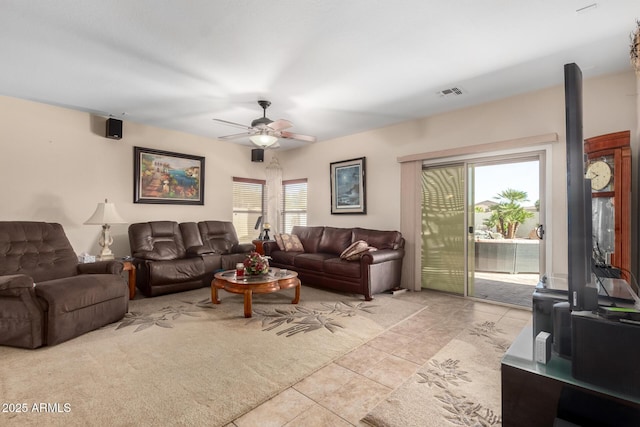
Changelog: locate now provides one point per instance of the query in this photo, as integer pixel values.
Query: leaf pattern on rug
(443, 374)
(349, 309)
(464, 412)
(304, 319)
(205, 303)
(165, 316)
(300, 318)
(460, 410)
(491, 332)
(144, 321)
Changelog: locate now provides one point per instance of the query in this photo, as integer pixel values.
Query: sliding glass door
(443, 233)
(508, 218)
(482, 223)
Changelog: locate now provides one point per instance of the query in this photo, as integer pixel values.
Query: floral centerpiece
(255, 264)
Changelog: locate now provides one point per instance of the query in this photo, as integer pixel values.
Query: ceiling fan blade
(226, 122)
(280, 124)
(236, 136)
(290, 135)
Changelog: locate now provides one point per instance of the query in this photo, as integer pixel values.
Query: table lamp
(105, 215)
(266, 227)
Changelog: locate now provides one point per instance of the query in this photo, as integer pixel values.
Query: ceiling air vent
(450, 93)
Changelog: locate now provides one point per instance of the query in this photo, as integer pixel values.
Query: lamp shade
(105, 214)
(263, 139)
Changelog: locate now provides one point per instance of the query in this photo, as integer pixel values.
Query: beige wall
(609, 106)
(56, 163)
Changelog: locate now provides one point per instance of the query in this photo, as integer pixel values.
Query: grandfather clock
(609, 168)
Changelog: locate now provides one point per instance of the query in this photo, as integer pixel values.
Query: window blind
(248, 206)
(294, 200)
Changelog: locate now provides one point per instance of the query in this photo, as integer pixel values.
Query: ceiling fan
(265, 132)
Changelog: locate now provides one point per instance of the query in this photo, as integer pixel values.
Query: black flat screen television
(582, 292)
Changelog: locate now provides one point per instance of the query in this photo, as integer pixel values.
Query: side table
(128, 266)
(260, 245)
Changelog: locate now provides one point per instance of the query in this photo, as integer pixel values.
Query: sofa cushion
(343, 268)
(313, 262)
(283, 258)
(63, 295)
(229, 261)
(219, 236)
(220, 246)
(175, 271)
(37, 249)
(378, 239)
(309, 236)
(156, 240)
(335, 240)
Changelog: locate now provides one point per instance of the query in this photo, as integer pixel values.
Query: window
(248, 207)
(294, 203)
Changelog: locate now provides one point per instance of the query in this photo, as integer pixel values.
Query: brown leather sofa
(173, 257)
(320, 263)
(46, 297)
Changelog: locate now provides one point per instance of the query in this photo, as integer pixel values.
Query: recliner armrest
(153, 256)
(101, 267)
(15, 281)
(242, 248)
(195, 251)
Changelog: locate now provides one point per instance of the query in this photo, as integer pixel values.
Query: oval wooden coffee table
(276, 280)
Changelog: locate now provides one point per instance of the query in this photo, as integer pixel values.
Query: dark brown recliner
(172, 257)
(220, 237)
(163, 264)
(46, 297)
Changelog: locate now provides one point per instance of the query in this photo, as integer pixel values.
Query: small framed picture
(168, 178)
(348, 187)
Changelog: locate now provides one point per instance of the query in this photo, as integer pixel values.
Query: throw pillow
(279, 241)
(292, 243)
(278, 238)
(355, 250)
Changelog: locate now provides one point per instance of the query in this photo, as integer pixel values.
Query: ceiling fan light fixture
(263, 139)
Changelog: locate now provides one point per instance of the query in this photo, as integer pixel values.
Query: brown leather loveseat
(173, 257)
(319, 261)
(46, 297)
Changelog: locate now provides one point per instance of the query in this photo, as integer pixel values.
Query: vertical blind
(248, 205)
(294, 201)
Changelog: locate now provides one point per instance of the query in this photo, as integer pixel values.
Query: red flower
(256, 264)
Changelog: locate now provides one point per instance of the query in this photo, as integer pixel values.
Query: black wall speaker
(257, 155)
(114, 128)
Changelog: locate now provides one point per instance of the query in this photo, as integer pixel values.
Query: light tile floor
(343, 392)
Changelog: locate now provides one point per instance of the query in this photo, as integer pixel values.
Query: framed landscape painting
(348, 190)
(166, 177)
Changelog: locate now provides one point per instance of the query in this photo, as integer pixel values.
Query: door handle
(540, 231)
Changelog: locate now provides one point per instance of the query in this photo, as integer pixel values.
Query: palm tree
(508, 214)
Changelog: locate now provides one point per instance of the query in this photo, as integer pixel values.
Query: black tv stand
(535, 394)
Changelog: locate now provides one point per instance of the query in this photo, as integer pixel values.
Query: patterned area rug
(181, 360)
(459, 386)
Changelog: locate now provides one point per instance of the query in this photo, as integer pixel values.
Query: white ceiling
(332, 67)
